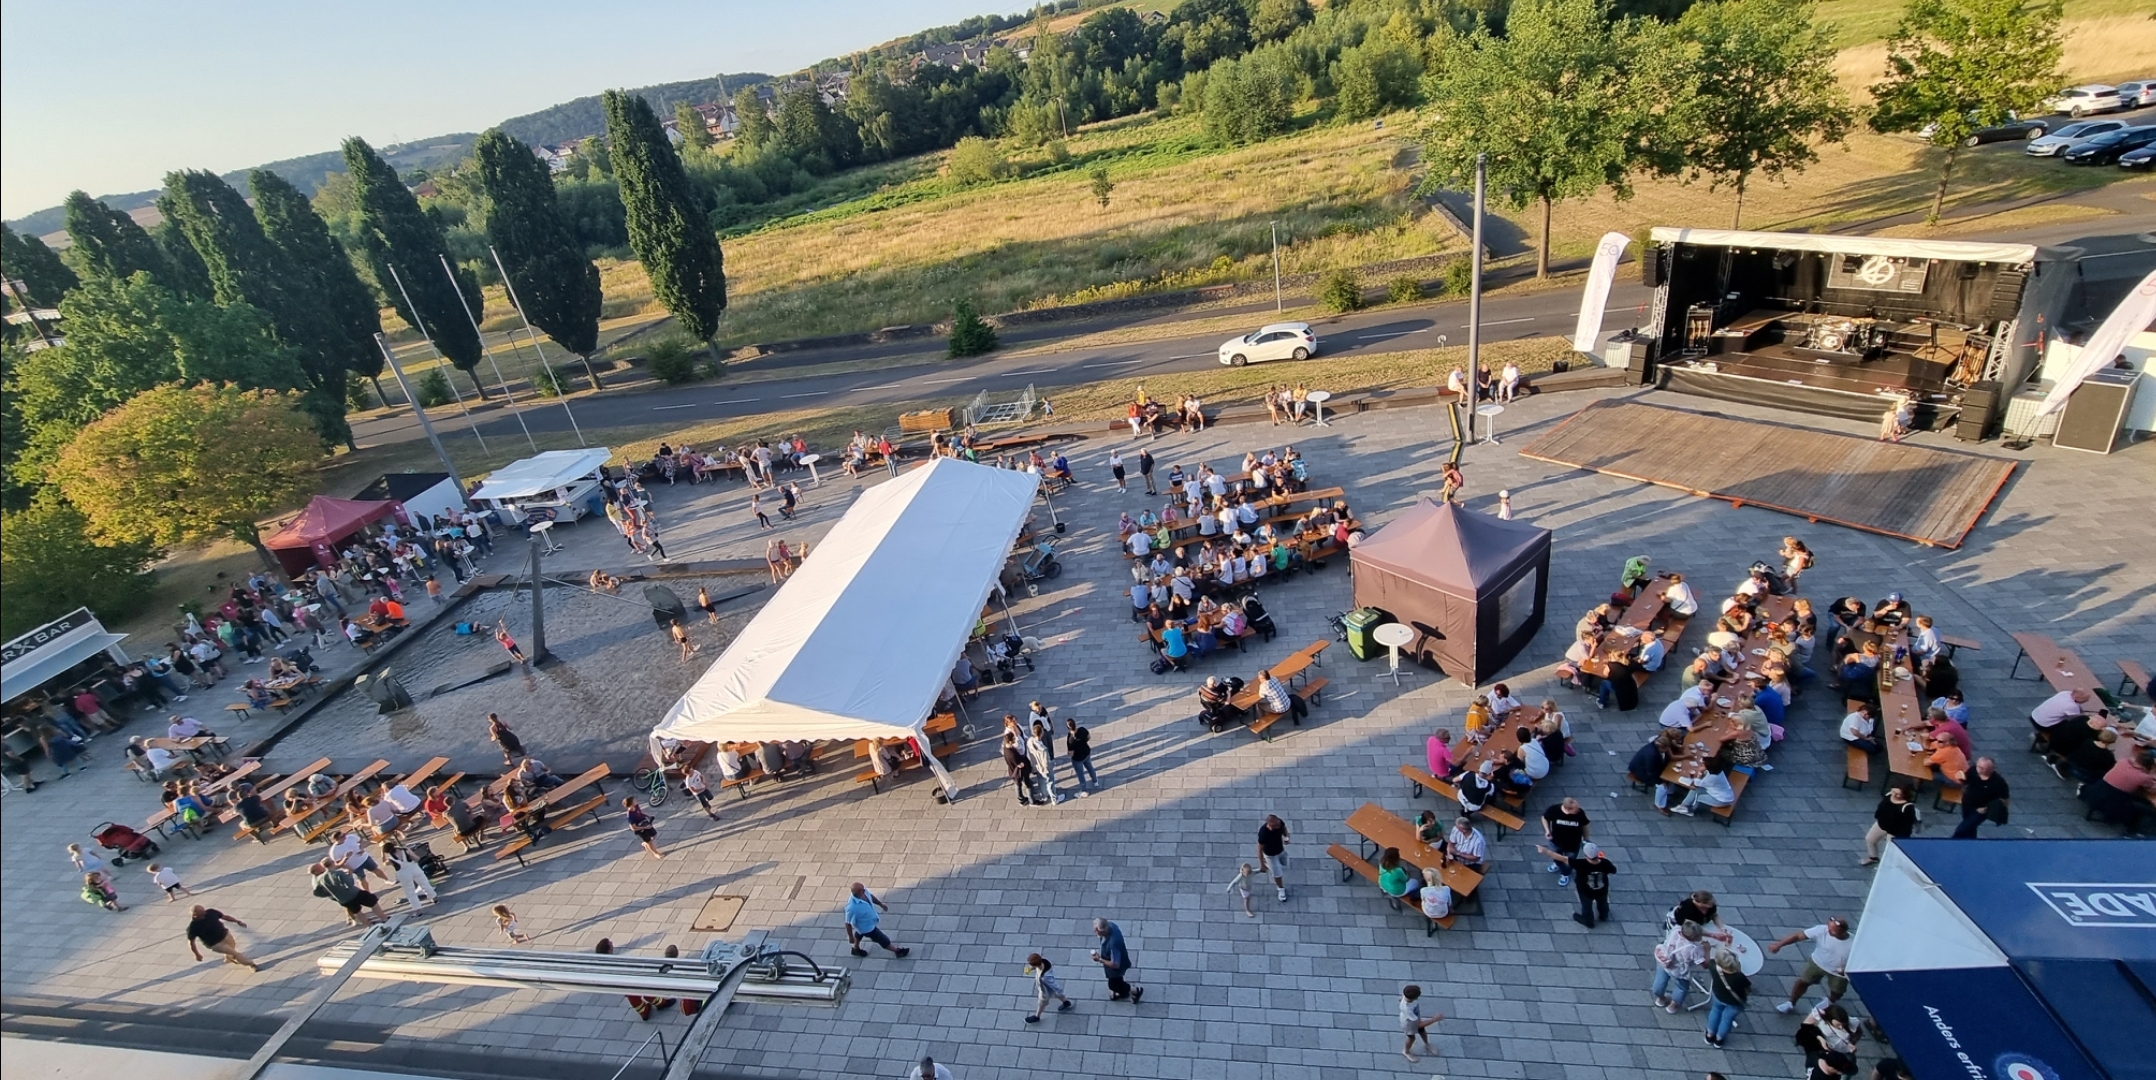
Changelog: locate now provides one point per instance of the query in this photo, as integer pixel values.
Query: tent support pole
(935, 765)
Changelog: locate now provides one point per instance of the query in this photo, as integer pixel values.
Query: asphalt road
(1390, 330)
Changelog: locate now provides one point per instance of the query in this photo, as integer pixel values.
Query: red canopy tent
(311, 538)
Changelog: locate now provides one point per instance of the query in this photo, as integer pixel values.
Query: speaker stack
(1979, 412)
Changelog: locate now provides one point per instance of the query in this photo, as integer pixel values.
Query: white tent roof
(543, 473)
(43, 654)
(860, 641)
(1892, 247)
(1910, 925)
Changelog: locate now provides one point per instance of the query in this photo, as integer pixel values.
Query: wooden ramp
(1933, 497)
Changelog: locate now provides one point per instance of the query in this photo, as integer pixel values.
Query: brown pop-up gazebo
(1470, 585)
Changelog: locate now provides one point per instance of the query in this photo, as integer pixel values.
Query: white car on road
(1277, 341)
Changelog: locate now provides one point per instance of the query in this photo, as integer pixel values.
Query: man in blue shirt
(1114, 958)
(1768, 699)
(863, 912)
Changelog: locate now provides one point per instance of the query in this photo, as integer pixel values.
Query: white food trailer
(560, 484)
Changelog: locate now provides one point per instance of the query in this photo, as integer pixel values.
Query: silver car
(2137, 93)
(2070, 136)
(1276, 341)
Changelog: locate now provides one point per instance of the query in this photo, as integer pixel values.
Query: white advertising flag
(1587, 334)
(2133, 315)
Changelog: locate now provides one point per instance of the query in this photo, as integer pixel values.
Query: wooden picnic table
(1381, 829)
(1901, 715)
(333, 802)
(242, 771)
(1294, 666)
(192, 747)
(1504, 735)
(2057, 664)
(269, 794)
(416, 778)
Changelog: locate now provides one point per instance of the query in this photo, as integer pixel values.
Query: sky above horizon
(108, 96)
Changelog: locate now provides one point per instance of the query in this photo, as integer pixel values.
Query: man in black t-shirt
(1565, 825)
(207, 926)
(1273, 851)
(1589, 871)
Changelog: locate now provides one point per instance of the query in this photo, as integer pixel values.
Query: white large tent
(860, 641)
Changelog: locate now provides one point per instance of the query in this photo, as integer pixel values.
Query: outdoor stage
(1933, 497)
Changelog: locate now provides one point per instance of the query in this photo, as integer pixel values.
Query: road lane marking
(881, 386)
(812, 393)
(1121, 363)
(961, 378)
(1395, 333)
(658, 408)
(738, 401)
(1195, 355)
(1035, 371)
(1501, 322)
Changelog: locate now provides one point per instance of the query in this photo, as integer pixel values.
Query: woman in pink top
(1440, 750)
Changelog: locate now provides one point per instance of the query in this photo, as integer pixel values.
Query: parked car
(2014, 130)
(2138, 159)
(2106, 148)
(2137, 93)
(2081, 101)
(2070, 136)
(1276, 341)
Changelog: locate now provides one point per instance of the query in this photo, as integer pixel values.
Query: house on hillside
(557, 158)
(957, 54)
(831, 87)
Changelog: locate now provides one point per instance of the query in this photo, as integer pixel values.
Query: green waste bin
(1360, 622)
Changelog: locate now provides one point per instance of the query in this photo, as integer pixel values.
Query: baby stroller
(1260, 620)
(123, 842)
(434, 866)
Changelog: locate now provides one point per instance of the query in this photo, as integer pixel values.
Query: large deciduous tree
(399, 235)
(1549, 102)
(125, 337)
(107, 243)
(1757, 92)
(668, 229)
(1954, 66)
(26, 259)
(179, 465)
(246, 268)
(49, 566)
(553, 283)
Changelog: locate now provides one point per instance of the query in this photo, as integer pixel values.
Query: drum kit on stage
(1853, 339)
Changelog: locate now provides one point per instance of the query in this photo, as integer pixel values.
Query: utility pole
(29, 310)
(1277, 309)
(419, 411)
(1474, 297)
(510, 290)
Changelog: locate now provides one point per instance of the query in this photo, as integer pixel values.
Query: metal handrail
(664, 1057)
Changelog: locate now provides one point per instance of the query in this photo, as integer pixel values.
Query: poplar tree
(555, 285)
(322, 271)
(245, 268)
(106, 243)
(668, 229)
(26, 258)
(690, 124)
(398, 234)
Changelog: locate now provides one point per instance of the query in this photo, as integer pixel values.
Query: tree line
(261, 315)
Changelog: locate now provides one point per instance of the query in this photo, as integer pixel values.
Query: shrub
(1102, 186)
(1403, 290)
(977, 161)
(1340, 291)
(547, 383)
(1456, 277)
(358, 393)
(970, 336)
(1058, 152)
(434, 391)
(671, 361)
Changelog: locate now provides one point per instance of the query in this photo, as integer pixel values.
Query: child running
(1046, 987)
(168, 879)
(1414, 1023)
(506, 920)
(1241, 884)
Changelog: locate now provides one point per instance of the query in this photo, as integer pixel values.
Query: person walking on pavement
(1894, 817)
(512, 747)
(1115, 466)
(1983, 798)
(1040, 754)
(336, 884)
(1019, 769)
(1566, 827)
(1145, 470)
(206, 926)
(1114, 958)
(1078, 743)
(1273, 851)
(1730, 990)
(642, 826)
(1589, 870)
(1413, 1023)
(863, 912)
(928, 1069)
(1829, 963)
(1046, 987)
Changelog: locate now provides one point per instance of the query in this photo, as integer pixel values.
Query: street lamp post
(1277, 309)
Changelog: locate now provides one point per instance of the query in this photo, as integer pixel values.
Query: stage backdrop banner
(1588, 333)
(2133, 315)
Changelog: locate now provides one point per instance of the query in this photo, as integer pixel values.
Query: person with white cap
(1590, 872)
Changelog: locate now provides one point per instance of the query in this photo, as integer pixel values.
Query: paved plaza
(1306, 989)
